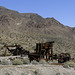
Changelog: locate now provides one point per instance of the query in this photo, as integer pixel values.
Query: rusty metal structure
(63, 57)
(15, 50)
(45, 51)
(42, 51)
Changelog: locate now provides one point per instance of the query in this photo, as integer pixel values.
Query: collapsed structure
(42, 51)
(15, 50)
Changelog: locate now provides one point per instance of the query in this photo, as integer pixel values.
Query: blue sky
(61, 10)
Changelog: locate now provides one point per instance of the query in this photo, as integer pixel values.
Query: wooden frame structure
(43, 51)
(15, 50)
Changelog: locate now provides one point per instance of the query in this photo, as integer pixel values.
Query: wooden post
(36, 47)
(40, 49)
(46, 54)
(21, 53)
(5, 51)
(52, 54)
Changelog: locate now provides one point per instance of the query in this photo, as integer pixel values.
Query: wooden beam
(5, 51)
(12, 52)
(52, 54)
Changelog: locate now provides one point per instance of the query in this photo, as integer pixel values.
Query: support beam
(5, 51)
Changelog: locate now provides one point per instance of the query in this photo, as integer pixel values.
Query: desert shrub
(3, 53)
(36, 72)
(26, 61)
(7, 73)
(74, 60)
(58, 73)
(8, 54)
(17, 62)
(5, 62)
(24, 74)
(34, 62)
(66, 66)
(70, 63)
(42, 61)
(55, 61)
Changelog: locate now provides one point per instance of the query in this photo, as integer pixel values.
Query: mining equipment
(42, 51)
(63, 57)
(45, 51)
(15, 50)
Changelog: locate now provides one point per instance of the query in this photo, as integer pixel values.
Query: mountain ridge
(33, 22)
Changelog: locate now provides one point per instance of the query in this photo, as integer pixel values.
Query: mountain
(29, 28)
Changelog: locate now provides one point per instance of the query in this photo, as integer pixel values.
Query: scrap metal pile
(42, 51)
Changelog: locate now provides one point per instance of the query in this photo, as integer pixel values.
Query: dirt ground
(29, 69)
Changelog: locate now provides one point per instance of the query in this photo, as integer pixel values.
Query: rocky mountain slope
(28, 28)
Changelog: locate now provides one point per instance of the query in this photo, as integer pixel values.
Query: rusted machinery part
(63, 57)
(33, 56)
(55, 56)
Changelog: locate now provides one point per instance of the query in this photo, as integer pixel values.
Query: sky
(61, 10)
